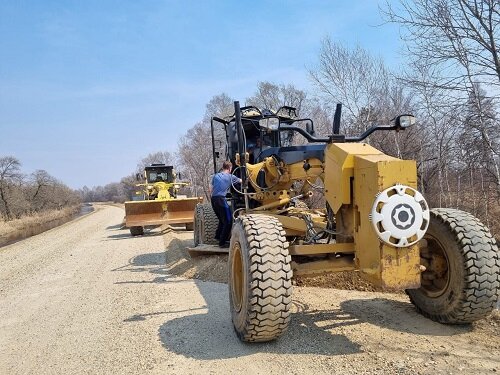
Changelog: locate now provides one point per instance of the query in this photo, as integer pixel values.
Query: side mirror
(310, 128)
(138, 177)
(179, 175)
(405, 121)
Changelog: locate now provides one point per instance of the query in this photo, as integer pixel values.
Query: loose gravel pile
(214, 267)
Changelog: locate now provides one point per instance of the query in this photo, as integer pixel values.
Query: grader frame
(374, 222)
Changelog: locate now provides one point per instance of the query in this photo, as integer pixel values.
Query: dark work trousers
(225, 217)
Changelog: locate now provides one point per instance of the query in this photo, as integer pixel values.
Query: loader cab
(159, 173)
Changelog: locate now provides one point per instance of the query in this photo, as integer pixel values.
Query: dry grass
(28, 224)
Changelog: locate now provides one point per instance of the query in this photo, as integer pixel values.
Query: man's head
(227, 166)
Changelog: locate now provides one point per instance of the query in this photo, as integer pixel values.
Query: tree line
(25, 194)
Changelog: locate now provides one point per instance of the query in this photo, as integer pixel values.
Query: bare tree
(220, 105)
(195, 157)
(481, 130)
(351, 77)
(10, 173)
(273, 96)
(159, 157)
(322, 117)
(460, 37)
(22, 196)
(41, 185)
(456, 42)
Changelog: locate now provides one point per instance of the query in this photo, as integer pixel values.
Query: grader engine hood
(378, 208)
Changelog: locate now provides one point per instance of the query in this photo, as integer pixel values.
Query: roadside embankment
(31, 225)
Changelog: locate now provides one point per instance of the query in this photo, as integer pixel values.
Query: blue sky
(87, 88)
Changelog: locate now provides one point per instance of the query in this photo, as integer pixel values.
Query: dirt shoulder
(27, 226)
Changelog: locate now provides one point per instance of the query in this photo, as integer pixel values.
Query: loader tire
(205, 225)
(136, 231)
(462, 281)
(260, 278)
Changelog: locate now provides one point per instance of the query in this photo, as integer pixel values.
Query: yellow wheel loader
(160, 203)
(374, 221)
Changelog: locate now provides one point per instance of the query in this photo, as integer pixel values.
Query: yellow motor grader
(160, 203)
(374, 221)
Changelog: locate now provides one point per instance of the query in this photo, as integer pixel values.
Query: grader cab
(160, 203)
(373, 221)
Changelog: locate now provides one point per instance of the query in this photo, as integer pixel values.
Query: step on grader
(373, 221)
(160, 203)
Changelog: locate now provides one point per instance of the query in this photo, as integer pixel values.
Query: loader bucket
(159, 212)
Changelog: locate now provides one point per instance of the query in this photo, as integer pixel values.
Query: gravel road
(86, 298)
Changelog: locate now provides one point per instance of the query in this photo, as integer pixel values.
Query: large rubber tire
(260, 278)
(462, 280)
(136, 231)
(205, 225)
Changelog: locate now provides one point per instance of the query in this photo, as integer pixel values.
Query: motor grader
(160, 203)
(373, 221)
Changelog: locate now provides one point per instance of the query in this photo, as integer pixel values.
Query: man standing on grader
(221, 183)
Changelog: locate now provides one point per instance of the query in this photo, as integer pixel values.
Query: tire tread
(481, 265)
(269, 279)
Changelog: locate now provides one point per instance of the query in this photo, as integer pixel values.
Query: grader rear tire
(205, 225)
(136, 231)
(462, 281)
(260, 278)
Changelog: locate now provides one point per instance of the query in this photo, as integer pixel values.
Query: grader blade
(158, 212)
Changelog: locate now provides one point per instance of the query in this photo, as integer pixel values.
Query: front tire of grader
(461, 283)
(260, 278)
(136, 231)
(205, 225)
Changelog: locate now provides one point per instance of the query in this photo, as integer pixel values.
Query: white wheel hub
(400, 216)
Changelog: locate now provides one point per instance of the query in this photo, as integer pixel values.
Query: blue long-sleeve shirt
(221, 182)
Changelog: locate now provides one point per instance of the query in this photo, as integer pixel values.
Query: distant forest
(38, 192)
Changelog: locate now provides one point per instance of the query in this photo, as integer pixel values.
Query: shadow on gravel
(207, 333)
(399, 316)
(114, 227)
(127, 235)
(210, 335)
(150, 262)
(142, 317)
